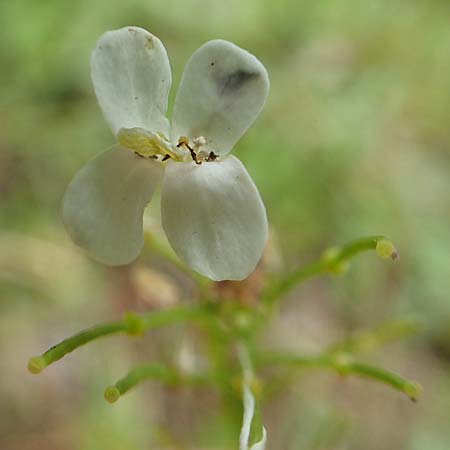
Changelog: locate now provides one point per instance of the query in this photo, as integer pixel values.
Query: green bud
(36, 364)
(112, 394)
(413, 390)
(385, 249)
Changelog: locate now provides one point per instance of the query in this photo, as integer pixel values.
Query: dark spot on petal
(212, 64)
(149, 44)
(234, 81)
(136, 98)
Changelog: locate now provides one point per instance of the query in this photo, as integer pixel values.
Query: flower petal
(104, 204)
(214, 217)
(131, 74)
(221, 93)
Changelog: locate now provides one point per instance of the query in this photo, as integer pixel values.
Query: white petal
(214, 217)
(104, 204)
(222, 91)
(131, 74)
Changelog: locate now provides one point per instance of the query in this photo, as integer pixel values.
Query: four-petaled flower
(212, 212)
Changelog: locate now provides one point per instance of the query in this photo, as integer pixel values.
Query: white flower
(212, 213)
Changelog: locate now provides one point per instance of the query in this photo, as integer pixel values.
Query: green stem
(343, 364)
(369, 340)
(37, 364)
(132, 324)
(332, 261)
(154, 371)
(411, 388)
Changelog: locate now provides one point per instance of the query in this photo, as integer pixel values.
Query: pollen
(183, 141)
(146, 143)
(199, 141)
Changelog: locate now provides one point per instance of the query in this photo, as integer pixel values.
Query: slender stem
(279, 359)
(411, 388)
(154, 371)
(369, 340)
(39, 363)
(132, 324)
(333, 260)
(343, 364)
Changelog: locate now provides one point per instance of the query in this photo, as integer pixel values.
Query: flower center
(148, 144)
(198, 154)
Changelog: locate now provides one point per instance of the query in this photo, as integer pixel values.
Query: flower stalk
(369, 340)
(133, 324)
(155, 371)
(334, 260)
(343, 364)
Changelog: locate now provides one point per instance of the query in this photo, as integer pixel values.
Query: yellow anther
(183, 141)
(145, 143)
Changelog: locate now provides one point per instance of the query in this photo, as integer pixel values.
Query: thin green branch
(343, 364)
(133, 324)
(37, 364)
(411, 388)
(369, 340)
(154, 371)
(333, 260)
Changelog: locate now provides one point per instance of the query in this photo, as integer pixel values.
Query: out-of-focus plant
(235, 330)
(213, 217)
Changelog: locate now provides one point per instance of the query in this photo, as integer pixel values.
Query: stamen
(146, 156)
(211, 157)
(199, 141)
(184, 142)
(147, 144)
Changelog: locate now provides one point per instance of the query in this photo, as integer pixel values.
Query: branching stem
(155, 371)
(132, 324)
(344, 365)
(332, 261)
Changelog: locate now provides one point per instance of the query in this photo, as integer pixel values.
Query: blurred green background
(354, 140)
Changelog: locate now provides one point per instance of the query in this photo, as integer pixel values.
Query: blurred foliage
(354, 141)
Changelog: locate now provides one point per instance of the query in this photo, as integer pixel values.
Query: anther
(199, 141)
(211, 157)
(183, 141)
(193, 155)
